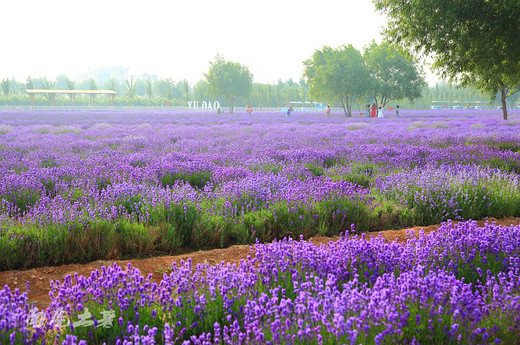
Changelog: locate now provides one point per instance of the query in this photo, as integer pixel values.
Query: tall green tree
(111, 84)
(140, 87)
(258, 95)
(229, 80)
(473, 42)
(92, 84)
(278, 94)
(130, 88)
(6, 88)
(47, 84)
(149, 89)
(70, 84)
(270, 96)
(165, 88)
(304, 90)
(29, 83)
(200, 90)
(61, 83)
(186, 87)
(394, 74)
(338, 74)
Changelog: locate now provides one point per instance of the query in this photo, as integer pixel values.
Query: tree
(186, 87)
(47, 84)
(492, 80)
(16, 87)
(64, 83)
(200, 90)
(29, 83)
(337, 74)
(5, 86)
(61, 82)
(149, 90)
(84, 84)
(140, 87)
(258, 95)
(394, 74)
(111, 84)
(92, 84)
(130, 88)
(278, 94)
(165, 88)
(304, 89)
(229, 80)
(70, 84)
(472, 42)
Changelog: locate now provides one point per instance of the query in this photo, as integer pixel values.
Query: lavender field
(108, 184)
(77, 187)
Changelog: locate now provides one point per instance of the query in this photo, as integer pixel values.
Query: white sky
(177, 39)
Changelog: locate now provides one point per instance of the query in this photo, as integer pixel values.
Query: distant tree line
(344, 77)
(148, 92)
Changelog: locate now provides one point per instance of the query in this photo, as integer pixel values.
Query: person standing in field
(380, 113)
(289, 111)
(397, 112)
(327, 111)
(367, 111)
(373, 110)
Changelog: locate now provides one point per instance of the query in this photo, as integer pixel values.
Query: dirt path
(40, 278)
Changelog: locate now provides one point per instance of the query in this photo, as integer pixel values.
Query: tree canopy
(472, 42)
(394, 74)
(338, 74)
(229, 80)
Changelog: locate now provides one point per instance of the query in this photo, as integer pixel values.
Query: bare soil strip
(40, 278)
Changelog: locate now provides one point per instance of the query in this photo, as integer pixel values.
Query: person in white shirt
(380, 112)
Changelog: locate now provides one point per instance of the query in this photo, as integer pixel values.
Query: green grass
(196, 179)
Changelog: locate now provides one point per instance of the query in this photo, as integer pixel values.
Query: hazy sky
(177, 39)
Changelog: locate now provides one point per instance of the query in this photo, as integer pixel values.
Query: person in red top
(373, 110)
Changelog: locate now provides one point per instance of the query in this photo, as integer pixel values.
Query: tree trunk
(232, 103)
(349, 106)
(384, 102)
(344, 109)
(503, 96)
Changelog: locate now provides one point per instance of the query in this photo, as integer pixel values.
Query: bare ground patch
(40, 278)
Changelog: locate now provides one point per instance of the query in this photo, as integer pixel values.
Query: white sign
(204, 105)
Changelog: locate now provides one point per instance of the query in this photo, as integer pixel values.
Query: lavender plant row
(459, 285)
(76, 187)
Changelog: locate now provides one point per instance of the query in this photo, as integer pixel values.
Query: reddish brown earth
(40, 278)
